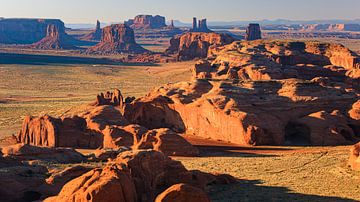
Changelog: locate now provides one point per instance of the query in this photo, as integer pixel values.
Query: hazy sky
(87, 11)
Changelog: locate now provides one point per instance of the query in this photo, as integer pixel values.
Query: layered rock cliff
(193, 45)
(26, 31)
(118, 38)
(56, 38)
(147, 22)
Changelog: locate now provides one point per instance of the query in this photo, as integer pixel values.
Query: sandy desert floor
(265, 173)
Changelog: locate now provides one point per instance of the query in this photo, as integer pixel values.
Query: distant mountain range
(234, 23)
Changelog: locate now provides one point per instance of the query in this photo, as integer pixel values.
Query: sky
(87, 11)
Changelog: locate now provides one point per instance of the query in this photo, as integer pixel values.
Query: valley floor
(278, 173)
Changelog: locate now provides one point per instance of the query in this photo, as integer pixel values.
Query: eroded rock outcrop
(266, 60)
(110, 183)
(193, 45)
(183, 192)
(135, 176)
(26, 152)
(118, 38)
(354, 160)
(55, 38)
(246, 113)
(58, 132)
(167, 142)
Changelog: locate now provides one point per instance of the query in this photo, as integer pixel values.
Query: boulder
(167, 142)
(182, 193)
(117, 39)
(126, 136)
(153, 172)
(193, 45)
(111, 183)
(58, 179)
(354, 160)
(355, 111)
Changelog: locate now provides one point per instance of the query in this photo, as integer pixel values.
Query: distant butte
(118, 38)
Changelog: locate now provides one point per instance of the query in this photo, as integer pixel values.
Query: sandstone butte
(117, 38)
(193, 45)
(253, 32)
(55, 38)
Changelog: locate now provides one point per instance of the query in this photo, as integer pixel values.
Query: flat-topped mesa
(147, 22)
(201, 27)
(56, 38)
(95, 35)
(330, 27)
(193, 45)
(26, 31)
(117, 39)
(253, 32)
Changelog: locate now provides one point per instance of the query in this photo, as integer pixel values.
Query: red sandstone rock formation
(147, 22)
(253, 32)
(56, 38)
(354, 160)
(139, 175)
(25, 152)
(167, 142)
(183, 192)
(26, 31)
(58, 179)
(110, 98)
(245, 113)
(118, 38)
(196, 45)
(355, 111)
(94, 35)
(266, 60)
(53, 132)
(107, 184)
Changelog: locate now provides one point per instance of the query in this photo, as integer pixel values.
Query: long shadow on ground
(38, 59)
(236, 151)
(252, 190)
